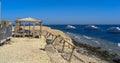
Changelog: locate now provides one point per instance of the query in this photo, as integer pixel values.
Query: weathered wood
(48, 35)
(40, 29)
(63, 47)
(17, 27)
(61, 40)
(29, 30)
(54, 39)
(24, 30)
(71, 54)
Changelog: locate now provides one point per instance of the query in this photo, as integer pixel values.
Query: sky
(63, 11)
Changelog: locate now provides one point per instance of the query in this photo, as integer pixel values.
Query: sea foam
(97, 42)
(118, 44)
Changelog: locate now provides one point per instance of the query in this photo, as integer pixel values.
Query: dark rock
(116, 59)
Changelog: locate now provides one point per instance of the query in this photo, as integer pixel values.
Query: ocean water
(97, 38)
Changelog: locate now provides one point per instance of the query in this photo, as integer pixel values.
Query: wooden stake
(71, 54)
(63, 47)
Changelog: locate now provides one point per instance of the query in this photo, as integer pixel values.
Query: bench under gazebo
(22, 24)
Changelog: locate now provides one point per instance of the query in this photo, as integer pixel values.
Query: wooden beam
(24, 30)
(29, 29)
(63, 47)
(33, 29)
(54, 39)
(71, 54)
(40, 28)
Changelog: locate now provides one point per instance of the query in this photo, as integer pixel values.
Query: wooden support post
(33, 30)
(48, 35)
(29, 29)
(63, 46)
(53, 36)
(40, 29)
(54, 39)
(24, 30)
(61, 40)
(44, 33)
(71, 54)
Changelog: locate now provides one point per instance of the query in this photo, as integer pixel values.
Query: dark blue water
(100, 38)
(102, 34)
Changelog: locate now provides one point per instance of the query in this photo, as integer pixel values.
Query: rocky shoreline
(97, 52)
(83, 52)
(85, 49)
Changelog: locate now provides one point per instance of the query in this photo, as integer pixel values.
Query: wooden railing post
(61, 40)
(54, 39)
(71, 54)
(63, 46)
(48, 35)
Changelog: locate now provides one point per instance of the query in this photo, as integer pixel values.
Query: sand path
(24, 50)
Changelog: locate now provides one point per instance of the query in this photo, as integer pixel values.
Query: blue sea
(97, 38)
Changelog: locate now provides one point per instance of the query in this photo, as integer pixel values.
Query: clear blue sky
(64, 11)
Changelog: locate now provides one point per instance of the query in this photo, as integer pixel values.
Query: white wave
(77, 37)
(118, 44)
(96, 42)
(105, 45)
(87, 37)
(70, 33)
(110, 49)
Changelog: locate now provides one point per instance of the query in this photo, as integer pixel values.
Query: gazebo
(20, 29)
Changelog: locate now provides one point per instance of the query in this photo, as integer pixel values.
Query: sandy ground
(24, 50)
(27, 50)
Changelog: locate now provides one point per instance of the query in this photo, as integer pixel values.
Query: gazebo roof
(29, 19)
